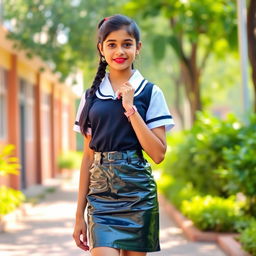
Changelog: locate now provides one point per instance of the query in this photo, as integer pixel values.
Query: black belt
(117, 155)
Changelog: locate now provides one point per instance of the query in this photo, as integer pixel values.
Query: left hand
(126, 91)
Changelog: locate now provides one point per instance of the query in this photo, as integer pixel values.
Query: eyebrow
(113, 40)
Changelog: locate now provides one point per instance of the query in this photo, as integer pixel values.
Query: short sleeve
(158, 113)
(76, 126)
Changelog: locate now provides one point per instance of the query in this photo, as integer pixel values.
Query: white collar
(105, 90)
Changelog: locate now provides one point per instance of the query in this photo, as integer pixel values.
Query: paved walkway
(48, 228)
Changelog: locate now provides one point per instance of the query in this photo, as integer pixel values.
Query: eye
(127, 45)
(111, 45)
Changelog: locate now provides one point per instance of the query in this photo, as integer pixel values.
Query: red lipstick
(120, 60)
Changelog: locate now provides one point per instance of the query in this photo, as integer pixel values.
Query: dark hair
(105, 27)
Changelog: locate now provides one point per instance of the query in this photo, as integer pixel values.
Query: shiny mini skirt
(122, 209)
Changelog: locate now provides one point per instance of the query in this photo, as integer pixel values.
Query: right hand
(81, 229)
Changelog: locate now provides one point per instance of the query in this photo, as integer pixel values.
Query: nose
(120, 50)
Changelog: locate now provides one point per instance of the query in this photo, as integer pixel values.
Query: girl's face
(119, 50)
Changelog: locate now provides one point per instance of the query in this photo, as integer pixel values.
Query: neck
(117, 77)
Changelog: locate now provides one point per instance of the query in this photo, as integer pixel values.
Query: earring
(103, 59)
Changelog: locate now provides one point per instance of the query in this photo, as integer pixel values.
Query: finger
(81, 244)
(76, 238)
(84, 247)
(128, 84)
(84, 237)
(119, 94)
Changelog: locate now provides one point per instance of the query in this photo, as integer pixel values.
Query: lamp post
(243, 49)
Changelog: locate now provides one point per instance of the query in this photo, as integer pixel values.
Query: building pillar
(53, 131)
(38, 129)
(13, 115)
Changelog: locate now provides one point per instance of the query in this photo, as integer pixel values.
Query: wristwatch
(131, 111)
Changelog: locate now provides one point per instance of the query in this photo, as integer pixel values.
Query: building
(37, 113)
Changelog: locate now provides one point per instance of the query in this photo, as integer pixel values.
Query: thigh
(103, 251)
(132, 253)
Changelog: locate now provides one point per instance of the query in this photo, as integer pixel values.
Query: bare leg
(103, 251)
(132, 253)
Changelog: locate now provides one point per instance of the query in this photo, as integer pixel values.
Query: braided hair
(105, 27)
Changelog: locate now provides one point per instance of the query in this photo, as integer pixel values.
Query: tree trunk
(191, 78)
(178, 85)
(251, 31)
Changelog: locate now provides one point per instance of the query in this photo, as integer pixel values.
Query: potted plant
(68, 162)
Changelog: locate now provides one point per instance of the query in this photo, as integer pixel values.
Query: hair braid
(90, 94)
(99, 76)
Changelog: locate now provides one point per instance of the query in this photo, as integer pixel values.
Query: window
(30, 111)
(3, 104)
(27, 103)
(46, 107)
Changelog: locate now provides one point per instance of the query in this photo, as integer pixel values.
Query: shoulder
(153, 89)
(157, 97)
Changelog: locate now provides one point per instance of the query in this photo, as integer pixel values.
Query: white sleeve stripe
(168, 123)
(158, 118)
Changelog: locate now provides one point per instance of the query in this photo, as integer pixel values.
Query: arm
(80, 225)
(152, 141)
(84, 178)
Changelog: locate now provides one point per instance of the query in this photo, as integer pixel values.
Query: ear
(100, 47)
(138, 48)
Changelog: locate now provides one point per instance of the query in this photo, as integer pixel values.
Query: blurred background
(202, 54)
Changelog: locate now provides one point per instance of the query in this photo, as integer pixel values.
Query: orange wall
(42, 149)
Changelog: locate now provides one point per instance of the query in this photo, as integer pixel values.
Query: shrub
(8, 163)
(213, 213)
(248, 238)
(180, 191)
(241, 165)
(198, 156)
(9, 198)
(70, 160)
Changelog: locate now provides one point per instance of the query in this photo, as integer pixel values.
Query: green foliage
(220, 81)
(60, 31)
(215, 157)
(8, 163)
(179, 191)
(248, 238)
(70, 160)
(197, 30)
(241, 165)
(10, 199)
(210, 24)
(159, 44)
(213, 213)
(198, 158)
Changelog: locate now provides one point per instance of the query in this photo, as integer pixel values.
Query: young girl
(121, 114)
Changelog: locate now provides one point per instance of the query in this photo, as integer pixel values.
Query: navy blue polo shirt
(110, 128)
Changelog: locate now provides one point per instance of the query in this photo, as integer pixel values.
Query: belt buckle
(109, 158)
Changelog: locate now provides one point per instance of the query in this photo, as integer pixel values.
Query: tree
(197, 29)
(251, 28)
(60, 31)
